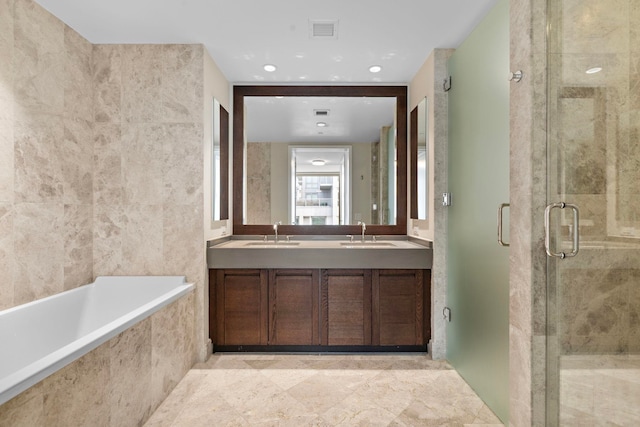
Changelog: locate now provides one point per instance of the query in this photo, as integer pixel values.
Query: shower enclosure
(593, 217)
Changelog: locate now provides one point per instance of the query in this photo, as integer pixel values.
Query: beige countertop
(300, 252)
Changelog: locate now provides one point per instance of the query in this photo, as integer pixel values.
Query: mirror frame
(398, 92)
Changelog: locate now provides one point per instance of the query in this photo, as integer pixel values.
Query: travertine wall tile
(181, 229)
(6, 255)
(26, 409)
(38, 162)
(440, 129)
(142, 162)
(581, 33)
(45, 148)
(107, 83)
(107, 180)
(142, 240)
(78, 245)
(172, 356)
(39, 251)
(130, 376)
(39, 59)
(76, 395)
(108, 229)
(6, 100)
(78, 76)
(142, 83)
(258, 183)
(76, 158)
(182, 83)
(182, 169)
(108, 188)
(527, 195)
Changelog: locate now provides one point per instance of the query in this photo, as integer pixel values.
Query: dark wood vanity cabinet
(346, 307)
(293, 307)
(241, 310)
(319, 309)
(400, 311)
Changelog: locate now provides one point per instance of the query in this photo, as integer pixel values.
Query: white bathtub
(39, 338)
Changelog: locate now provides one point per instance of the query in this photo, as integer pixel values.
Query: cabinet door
(241, 312)
(346, 307)
(294, 307)
(398, 307)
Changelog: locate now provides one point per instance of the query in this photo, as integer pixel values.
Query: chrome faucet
(275, 229)
(364, 227)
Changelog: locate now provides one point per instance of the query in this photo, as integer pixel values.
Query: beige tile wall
(46, 114)
(527, 262)
(101, 174)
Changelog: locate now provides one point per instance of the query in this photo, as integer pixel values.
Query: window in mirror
(319, 188)
(420, 161)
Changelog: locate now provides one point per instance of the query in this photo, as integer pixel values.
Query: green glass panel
(478, 267)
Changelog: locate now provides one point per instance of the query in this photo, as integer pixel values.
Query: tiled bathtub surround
(118, 384)
(101, 173)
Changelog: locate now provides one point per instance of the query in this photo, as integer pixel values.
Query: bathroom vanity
(319, 295)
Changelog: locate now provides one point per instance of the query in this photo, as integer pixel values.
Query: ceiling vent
(323, 30)
(321, 113)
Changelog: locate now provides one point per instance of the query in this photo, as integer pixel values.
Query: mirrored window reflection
(319, 189)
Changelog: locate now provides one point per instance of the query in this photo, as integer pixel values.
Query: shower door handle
(500, 208)
(576, 230)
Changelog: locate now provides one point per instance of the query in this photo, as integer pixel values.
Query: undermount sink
(361, 245)
(272, 244)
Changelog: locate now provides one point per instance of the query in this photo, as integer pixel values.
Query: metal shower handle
(576, 230)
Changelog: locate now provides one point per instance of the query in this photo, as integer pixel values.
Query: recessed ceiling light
(279, 97)
(318, 162)
(593, 70)
(269, 68)
(375, 69)
(321, 124)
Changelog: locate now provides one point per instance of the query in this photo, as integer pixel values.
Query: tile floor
(322, 390)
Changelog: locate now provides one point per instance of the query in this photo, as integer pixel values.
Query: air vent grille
(323, 29)
(321, 113)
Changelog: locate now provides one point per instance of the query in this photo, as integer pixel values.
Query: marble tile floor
(322, 390)
(600, 391)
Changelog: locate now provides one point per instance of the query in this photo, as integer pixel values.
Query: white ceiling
(243, 35)
(293, 119)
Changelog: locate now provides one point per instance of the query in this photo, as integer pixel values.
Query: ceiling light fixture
(321, 124)
(375, 69)
(270, 68)
(318, 162)
(593, 70)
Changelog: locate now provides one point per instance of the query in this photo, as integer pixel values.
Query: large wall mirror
(320, 159)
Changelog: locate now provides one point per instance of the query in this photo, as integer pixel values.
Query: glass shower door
(593, 305)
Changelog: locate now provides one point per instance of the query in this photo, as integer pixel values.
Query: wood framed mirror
(394, 219)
